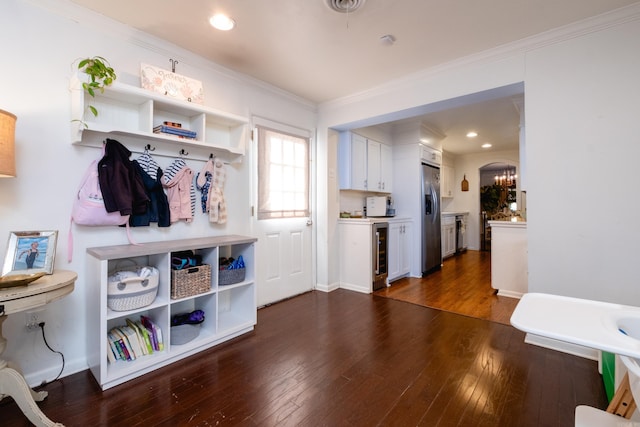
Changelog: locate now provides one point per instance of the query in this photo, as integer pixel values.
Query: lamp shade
(7, 144)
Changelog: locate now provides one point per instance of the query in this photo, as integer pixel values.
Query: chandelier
(508, 177)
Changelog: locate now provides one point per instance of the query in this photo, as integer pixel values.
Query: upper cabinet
(447, 181)
(364, 164)
(379, 164)
(133, 112)
(352, 161)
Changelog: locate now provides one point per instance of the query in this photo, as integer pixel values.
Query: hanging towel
(217, 204)
(203, 183)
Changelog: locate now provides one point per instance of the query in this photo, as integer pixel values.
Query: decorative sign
(171, 84)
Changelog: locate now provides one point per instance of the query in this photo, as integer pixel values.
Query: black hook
(148, 147)
(173, 65)
(183, 153)
(211, 156)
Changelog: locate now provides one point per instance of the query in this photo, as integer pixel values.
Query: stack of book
(133, 340)
(175, 129)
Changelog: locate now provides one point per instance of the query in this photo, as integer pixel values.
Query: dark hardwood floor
(462, 286)
(344, 359)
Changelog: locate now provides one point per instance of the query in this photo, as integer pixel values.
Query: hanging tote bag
(88, 207)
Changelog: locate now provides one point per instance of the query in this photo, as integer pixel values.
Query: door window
(283, 175)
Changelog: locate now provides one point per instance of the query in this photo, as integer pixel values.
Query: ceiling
(304, 47)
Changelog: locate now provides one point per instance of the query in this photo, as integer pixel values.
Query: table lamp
(7, 144)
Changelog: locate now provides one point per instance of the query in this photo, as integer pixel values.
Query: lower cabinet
(465, 234)
(229, 309)
(448, 235)
(399, 249)
(356, 255)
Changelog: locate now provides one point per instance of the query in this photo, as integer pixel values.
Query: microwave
(380, 206)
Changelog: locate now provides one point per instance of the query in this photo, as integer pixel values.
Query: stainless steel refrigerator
(431, 239)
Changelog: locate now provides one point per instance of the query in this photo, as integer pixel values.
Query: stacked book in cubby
(175, 129)
(133, 340)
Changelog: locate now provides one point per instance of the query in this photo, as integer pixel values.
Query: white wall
(42, 41)
(581, 90)
(582, 154)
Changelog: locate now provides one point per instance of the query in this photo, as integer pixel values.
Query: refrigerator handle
(435, 204)
(427, 204)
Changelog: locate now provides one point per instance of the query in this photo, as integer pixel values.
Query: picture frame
(30, 252)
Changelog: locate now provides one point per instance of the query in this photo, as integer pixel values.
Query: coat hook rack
(174, 62)
(148, 147)
(183, 153)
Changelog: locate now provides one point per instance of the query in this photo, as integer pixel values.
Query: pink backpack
(88, 207)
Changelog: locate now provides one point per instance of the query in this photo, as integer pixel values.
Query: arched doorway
(498, 197)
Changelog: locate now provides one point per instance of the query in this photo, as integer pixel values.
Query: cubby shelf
(230, 310)
(130, 112)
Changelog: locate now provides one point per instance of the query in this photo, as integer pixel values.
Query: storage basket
(190, 281)
(129, 290)
(182, 334)
(229, 277)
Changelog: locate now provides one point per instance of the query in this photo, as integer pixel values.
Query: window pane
(283, 175)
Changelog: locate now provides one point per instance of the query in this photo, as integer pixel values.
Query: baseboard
(35, 379)
(327, 288)
(355, 288)
(564, 347)
(510, 294)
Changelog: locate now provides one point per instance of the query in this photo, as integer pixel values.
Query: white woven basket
(132, 292)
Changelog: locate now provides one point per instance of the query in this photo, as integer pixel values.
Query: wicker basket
(229, 277)
(190, 281)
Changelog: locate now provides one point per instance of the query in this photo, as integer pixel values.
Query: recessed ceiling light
(472, 134)
(487, 145)
(222, 22)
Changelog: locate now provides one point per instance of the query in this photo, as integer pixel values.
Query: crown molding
(116, 30)
(520, 47)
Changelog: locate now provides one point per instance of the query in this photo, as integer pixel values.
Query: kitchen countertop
(507, 223)
(588, 323)
(450, 213)
(371, 220)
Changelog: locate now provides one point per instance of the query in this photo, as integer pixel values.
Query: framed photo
(30, 252)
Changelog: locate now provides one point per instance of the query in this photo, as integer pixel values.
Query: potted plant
(100, 75)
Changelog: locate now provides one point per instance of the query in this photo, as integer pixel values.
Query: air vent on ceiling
(345, 6)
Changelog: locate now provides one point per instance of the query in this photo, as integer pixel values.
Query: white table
(13, 300)
(577, 321)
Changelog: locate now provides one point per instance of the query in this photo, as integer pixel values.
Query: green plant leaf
(101, 75)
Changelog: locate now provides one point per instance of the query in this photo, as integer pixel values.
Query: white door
(284, 252)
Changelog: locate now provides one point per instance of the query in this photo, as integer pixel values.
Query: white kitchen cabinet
(364, 164)
(133, 112)
(352, 161)
(230, 310)
(399, 249)
(465, 231)
(447, 185)
(509, 263)
(448, 235)
(379, 167)
(356, 259)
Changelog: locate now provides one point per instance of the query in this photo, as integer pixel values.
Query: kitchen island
(509, 267)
